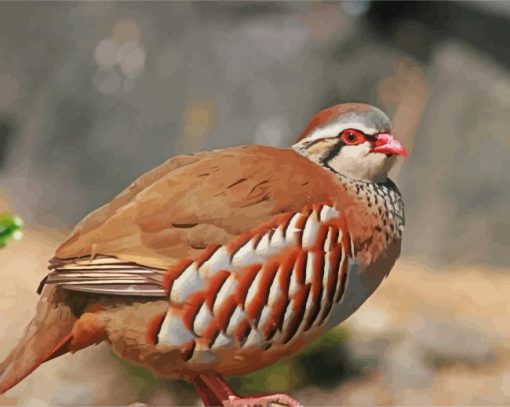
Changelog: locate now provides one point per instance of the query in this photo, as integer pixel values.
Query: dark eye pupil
(351, 137)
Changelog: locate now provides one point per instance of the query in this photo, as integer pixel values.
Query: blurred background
(92, 95)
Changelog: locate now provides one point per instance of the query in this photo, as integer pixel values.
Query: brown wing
(178, 209)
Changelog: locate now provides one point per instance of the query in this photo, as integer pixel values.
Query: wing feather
(179, 209)
(106, 275)
(190, 202)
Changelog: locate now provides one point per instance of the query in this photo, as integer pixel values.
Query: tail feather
(47, 336)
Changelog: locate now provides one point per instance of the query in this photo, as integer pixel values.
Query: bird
(222, 262)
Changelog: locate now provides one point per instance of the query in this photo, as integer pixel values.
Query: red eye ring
(352, 137)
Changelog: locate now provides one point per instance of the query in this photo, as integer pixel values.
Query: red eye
(352, 137)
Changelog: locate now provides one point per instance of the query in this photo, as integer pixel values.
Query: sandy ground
(448, 334)
(444, 334)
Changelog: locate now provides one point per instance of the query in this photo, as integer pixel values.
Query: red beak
(386, 143)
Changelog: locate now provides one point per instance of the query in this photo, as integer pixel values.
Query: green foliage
(10, 228)
(141, 379)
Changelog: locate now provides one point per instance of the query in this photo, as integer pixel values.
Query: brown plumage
(222, 262)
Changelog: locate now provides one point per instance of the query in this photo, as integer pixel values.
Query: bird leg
(214, 391)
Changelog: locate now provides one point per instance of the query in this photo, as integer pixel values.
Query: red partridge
(223, 262)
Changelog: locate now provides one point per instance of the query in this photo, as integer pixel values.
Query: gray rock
(446, 340)
(405, 366)
(367, 354)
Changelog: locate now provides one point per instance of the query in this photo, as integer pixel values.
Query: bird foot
(269, 400)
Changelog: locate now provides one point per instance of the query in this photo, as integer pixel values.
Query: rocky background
(94, 94)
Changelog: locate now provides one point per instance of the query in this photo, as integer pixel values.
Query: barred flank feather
(267, 288)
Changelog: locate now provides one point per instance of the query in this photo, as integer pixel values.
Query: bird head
(351, 139)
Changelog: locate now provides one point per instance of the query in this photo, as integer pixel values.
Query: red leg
(214, 391)
(208, 398)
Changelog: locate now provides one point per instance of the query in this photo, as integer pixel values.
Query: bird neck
(375, 216)
(382, 200)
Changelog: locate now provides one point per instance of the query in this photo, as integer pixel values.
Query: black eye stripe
(332, 153)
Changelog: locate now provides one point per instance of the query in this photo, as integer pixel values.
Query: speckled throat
(383, 199)
(378, 211)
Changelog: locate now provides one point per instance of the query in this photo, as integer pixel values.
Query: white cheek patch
(350, 158)
(359, 163)
(357, 152)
